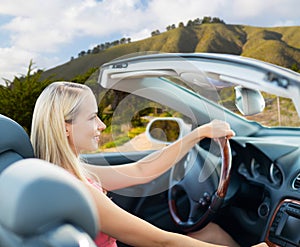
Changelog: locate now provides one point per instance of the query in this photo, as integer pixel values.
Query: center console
(284, 229)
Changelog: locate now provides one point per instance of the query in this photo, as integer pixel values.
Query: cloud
(261, 13)
(41, 30)
(15, 62)
(10, 59)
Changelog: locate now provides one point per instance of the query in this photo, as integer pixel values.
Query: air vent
(296, 183)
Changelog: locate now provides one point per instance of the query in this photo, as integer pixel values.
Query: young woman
(65, 123)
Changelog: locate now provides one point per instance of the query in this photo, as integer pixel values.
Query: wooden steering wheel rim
(217, 199)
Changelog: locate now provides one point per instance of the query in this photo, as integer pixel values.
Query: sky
(49, 33)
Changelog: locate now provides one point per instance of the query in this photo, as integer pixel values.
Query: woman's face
(84, 133)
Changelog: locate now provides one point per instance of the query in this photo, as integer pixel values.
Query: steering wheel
(197, 182)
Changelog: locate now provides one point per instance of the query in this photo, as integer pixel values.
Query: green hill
(278, 45)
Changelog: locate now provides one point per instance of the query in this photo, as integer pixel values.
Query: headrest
(37, 196)
(14, 142)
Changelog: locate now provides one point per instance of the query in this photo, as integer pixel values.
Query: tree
(206, 19)
(83, 78)
(217, 20)
(18, 97)
(180, 25)
(123, 41)
(156, 32)
(95, 50)
(197, 21)
(190, 23)
(107, 45)
(295, 67)
(81, 54)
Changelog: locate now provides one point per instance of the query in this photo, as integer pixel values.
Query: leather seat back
(41, 204)
(14, 143)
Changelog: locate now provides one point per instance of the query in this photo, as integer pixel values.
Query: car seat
(14, 143)
(44, 205)
(41, 204)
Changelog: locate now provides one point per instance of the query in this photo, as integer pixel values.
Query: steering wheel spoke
(194, 211)
(202, 198)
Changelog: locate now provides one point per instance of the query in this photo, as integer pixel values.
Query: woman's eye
(94, 117)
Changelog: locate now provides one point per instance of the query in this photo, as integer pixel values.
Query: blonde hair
(58, 104)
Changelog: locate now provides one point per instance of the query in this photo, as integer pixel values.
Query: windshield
(127, 115)
(278, 111)
(127, 108)
(216, 77)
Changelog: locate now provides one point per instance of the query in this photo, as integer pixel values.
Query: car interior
(262, 200)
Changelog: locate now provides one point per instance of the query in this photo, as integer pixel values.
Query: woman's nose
(101, 125)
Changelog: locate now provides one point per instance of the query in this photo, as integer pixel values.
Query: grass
(121, 139)
(278, 112)
(278, 45)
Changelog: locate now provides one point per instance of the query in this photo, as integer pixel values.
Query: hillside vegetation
(278, 45)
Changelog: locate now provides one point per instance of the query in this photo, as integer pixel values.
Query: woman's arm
(132, 230)
(155, 164)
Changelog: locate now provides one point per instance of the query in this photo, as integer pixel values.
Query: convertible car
(249, 184)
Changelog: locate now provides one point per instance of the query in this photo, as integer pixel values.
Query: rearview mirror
(249, 101)
(166, 130)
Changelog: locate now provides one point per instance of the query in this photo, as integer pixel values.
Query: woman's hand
(261, 245)
(216, 129)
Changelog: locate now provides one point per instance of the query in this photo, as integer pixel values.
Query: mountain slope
(278, 45)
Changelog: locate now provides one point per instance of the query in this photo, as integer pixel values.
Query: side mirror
(249, 101)
(166, 129)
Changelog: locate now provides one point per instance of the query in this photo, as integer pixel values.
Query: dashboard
(273, 165)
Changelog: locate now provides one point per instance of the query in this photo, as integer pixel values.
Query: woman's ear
(68, 129)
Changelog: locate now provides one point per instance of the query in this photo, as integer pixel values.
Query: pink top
(102, 239)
